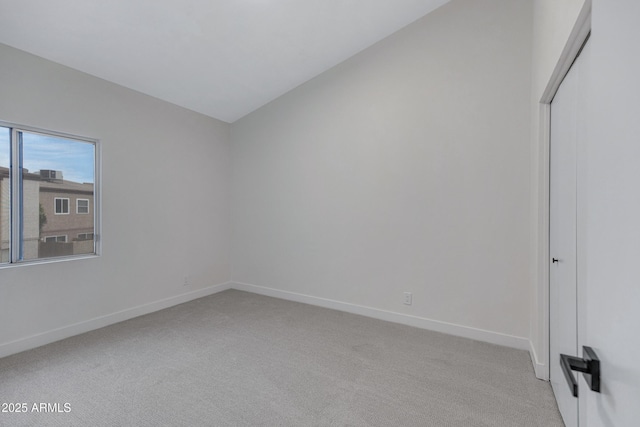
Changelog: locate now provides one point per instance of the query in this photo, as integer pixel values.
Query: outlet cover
(408, 298)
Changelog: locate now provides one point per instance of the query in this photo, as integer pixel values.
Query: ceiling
(222, 58)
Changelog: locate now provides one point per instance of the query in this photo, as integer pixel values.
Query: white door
(603, 127)
(609, 217)
(566, 122)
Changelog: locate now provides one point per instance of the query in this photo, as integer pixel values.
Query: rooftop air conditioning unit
(51, 175)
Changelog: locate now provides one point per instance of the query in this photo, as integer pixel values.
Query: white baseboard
(405, 319)
(541, 370)
(57, 334)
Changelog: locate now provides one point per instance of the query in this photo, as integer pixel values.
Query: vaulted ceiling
(222, 58)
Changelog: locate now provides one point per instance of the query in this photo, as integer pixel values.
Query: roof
(64, 186)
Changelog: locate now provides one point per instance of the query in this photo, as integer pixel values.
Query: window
(61, 206)
(59, 239)
(82, 206)
(41, 174)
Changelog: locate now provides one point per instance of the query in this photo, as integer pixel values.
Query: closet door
(567, 123)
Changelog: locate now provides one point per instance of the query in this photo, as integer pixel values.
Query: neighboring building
(30, 232)
(67, 207)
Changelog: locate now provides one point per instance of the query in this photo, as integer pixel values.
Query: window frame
(55, 205)
(78, 206)
(16, 193)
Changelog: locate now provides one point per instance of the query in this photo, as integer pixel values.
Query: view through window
(53, 209)
(5, 193)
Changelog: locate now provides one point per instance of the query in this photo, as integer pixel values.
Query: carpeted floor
(239, 359)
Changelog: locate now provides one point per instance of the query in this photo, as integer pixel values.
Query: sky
(74, 158)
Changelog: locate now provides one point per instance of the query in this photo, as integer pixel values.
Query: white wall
(166, 203)
(406, 168)
(553, 22)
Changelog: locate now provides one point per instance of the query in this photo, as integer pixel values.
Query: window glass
(56, 173)
(5, 194)
(61, 206)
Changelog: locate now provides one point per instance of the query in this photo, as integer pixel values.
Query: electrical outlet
(408, 298)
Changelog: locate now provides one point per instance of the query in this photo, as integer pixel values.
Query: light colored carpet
(239, 359)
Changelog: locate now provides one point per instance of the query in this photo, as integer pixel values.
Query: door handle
(554, 260)
(589, 365)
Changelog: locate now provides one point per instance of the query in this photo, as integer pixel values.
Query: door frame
(576, 40)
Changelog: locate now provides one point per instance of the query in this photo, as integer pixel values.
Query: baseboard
(540, 369)
(57, 334)
(405, 319)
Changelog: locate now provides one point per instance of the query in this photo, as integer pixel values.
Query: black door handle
(554, 259)
(589, 365)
